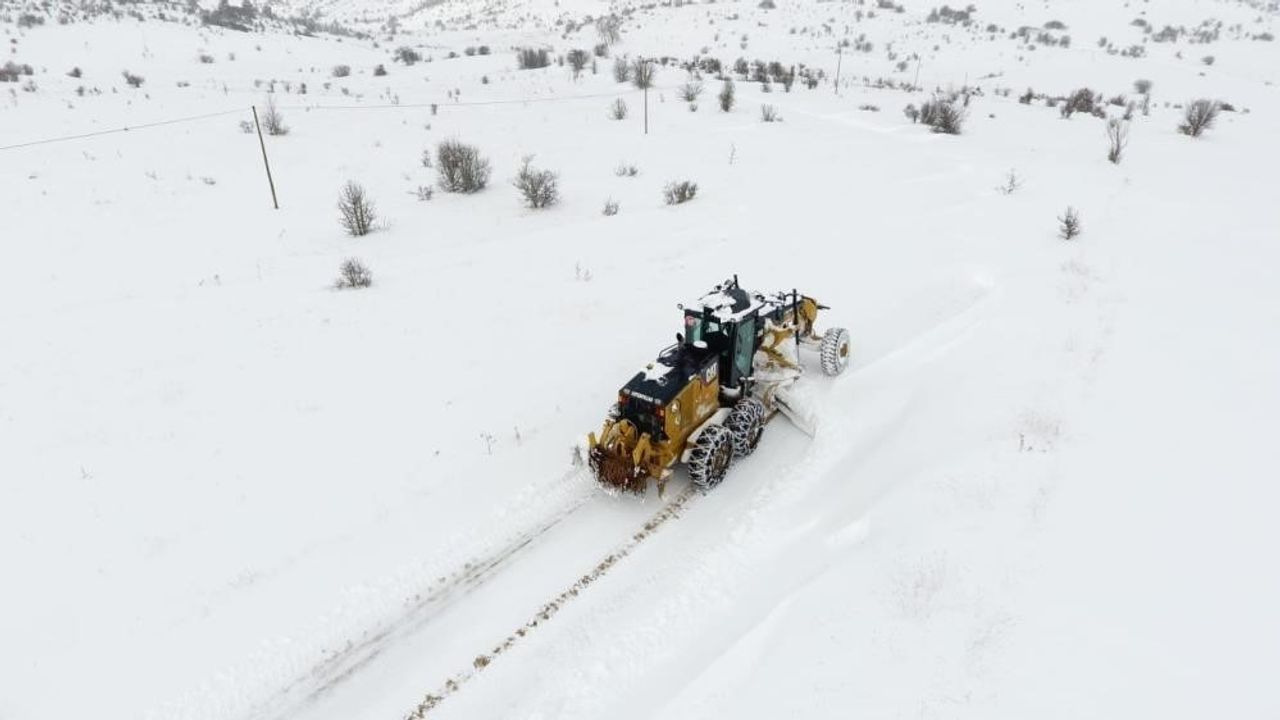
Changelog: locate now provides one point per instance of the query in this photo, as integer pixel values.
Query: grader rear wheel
(746, 424)
(710, 458)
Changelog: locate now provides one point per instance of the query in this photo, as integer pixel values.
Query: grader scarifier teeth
(615, 470)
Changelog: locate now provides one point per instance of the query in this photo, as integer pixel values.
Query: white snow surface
(1045, 487)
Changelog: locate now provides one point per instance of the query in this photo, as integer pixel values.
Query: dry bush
(947, 117)
(618, 109)
(1142, 87)
(609, 27)
(353, 274)
(578, 60)
(407, 55)
(728, 96)
(679, 191)
(134, 81)
(460, 167)
(539, 188)
(1069, 224)
(929, 112)
(341, 71)
(642, 73)
(1117, 139)
(690, 91)
(272, 119)
(356, 210)
(769, 113)
(1199, 116)
(621, 70)
(1082, 100)
(610, 207)
(532, 58)
(625, 170)
(1011, 183)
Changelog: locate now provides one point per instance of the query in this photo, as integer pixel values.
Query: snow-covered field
(230, 491)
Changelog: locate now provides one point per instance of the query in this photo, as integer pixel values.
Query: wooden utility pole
(839, 62)
(262, 144)
(648, 80)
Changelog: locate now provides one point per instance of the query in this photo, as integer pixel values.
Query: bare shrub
(341, 71)
(625, 170)
(1069, 224)
(460, 167)
(578, 60)
(946, 117)
(353, 274)
(1142, 87)
(539, 188)
(679, 191)
(609, 27)
(621, 70)
(642, 73)
(618, 109)
(1117, 139)
(912, 112)
(610, 208)
(12, 71)
(728, 96)
(769, 113)
(356, 210)
(690, 91)
(407, 55)
(379, 70)
(134, 81)
(1011, 184)
(532, 58)
(928, 112)
(272, 119)
(1082, 100)
(1198, 116)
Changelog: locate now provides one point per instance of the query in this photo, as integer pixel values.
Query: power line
(127, 128)
(449, 104)
(387, 106)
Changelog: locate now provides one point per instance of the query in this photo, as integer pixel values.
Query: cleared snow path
(455, 641)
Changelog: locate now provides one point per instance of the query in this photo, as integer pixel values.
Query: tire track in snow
(452, 684)
(945, 314)
(422, 608)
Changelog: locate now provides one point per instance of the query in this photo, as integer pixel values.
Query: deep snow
(231, 491)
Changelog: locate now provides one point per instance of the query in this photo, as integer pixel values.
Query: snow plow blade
(798, 409)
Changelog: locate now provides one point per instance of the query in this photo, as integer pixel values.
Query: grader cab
(705, 400)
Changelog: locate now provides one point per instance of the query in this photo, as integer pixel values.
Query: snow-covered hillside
(229, 490)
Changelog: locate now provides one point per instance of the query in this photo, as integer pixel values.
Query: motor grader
(705, 401)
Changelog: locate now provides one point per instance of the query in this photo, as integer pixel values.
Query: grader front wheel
(835, 351)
